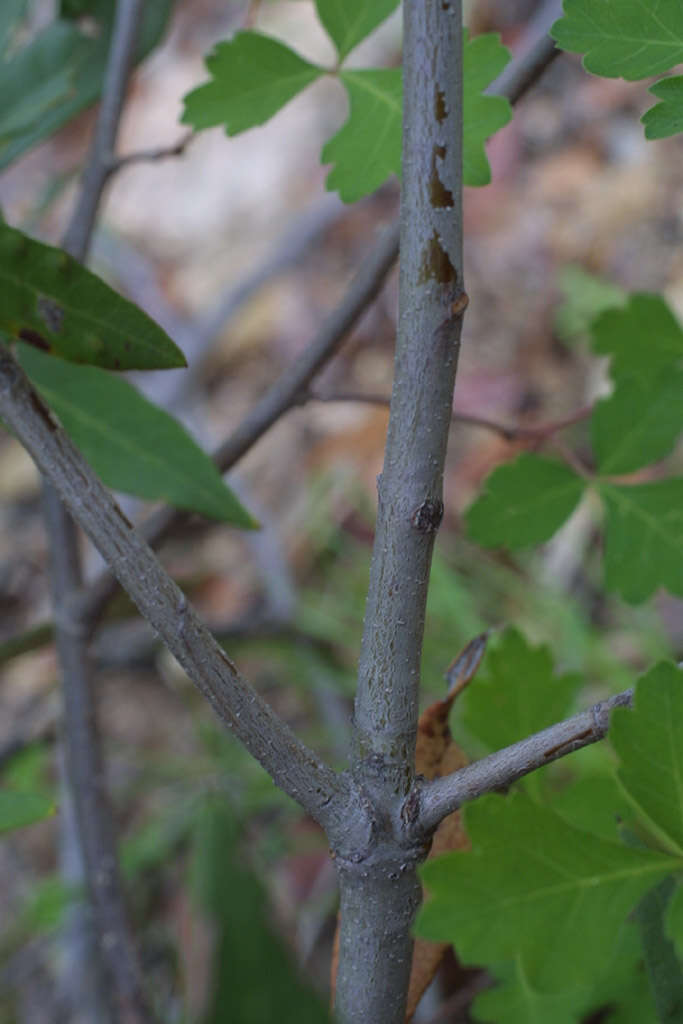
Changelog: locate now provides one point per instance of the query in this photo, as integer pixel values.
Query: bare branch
(293, 767)
(434, 800)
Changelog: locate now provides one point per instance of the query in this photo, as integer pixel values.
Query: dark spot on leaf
(439, 195)
(436, 264)
(117, 364)
(427, 517)
(33, 338)
(51, 313)
(440, 111)
(127, 345)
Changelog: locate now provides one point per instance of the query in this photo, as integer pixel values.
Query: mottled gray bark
(379, 887)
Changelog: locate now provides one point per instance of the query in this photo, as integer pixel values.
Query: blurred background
(236, 248)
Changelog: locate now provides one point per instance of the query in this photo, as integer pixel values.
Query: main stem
(380, 890)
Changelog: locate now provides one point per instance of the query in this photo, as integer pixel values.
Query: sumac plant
(564, 896)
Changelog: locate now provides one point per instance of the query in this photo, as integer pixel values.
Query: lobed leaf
(534, 886)
(252, 77)
(517, 693)
(643, 538)
(131, 444)
(524, 502)
(585, 296)
(622, 40)
(484, 57)
(367, 148)
(639, 423)
(666, 117)
(52, 302)
(649, 741)
(643, 338)
(348, 22)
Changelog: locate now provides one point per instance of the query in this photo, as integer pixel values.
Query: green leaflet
(524, 502)
(131, 444)
(643, 338)
(367, 148)
(252, 77)
(585, 296)
(534, 886)
(638, 424)
(348, 22)
(666, 117)
(643, 538)
(622, 39)
(52, 302)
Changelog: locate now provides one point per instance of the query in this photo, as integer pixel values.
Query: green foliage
(253, 76)
(51, 301)
(663, 966)
(253, 979)
(585, 296)
(666, 117)
(550, 897)
(620, 334)
(643, 538)
(483, 60)
(630, 40)
(19, 808)
(524, 502)
(132, 444)
(367, 148)
(348, 22)
(60, 71)
(622, 40)
(639, 424)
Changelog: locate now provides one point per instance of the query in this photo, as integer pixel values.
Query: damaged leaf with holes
(49, 301)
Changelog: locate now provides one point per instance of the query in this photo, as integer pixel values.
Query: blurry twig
(116, 163)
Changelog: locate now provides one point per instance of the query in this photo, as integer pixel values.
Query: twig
(116, 163)
(84, 763)
(293, 767)
(432, 801)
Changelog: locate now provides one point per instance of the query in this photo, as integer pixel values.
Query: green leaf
(643, 338)
(534, 886)
(484, 57)
(649, 741)
(517, 693)
(132, 444)
(644, 538)
(619, 39)
(12, 13)
(674, 920)
(585, 296)
(50, 301)
(665, 118)
(19, 808)
(517, 1001)
(60, 72)
(663, 966)
(348, 22)
(253, 977)
(524, 502)
(595, 803)
(639, 423)
(367, 148)
(252, 77)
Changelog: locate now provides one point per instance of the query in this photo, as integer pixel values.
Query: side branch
(430, 802)
(291, 765)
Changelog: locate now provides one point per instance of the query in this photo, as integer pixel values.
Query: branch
(83, 757)
(284, 394)
(292, 766)
(430, 802)
(116, 163)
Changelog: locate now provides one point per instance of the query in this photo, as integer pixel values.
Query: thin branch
(293, 767)
(116, 163)
(430, 802)
(83, 757)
